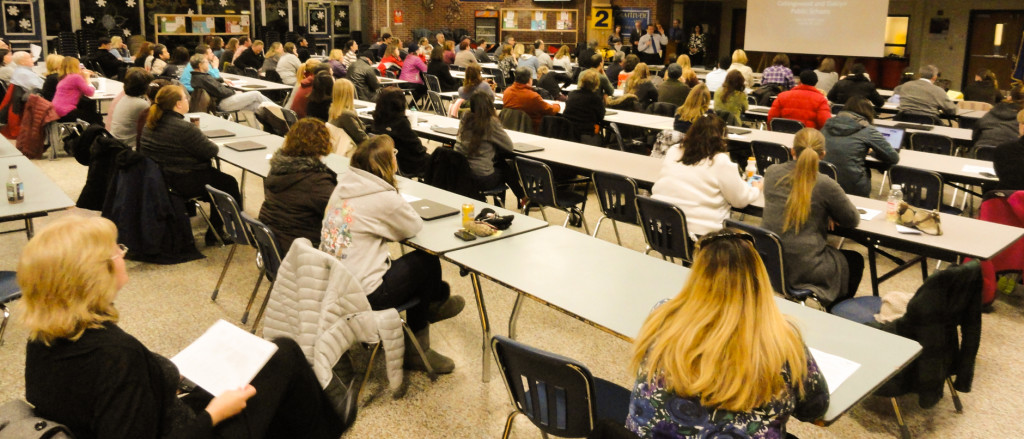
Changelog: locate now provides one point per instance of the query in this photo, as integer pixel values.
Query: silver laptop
(737, 130)
(451, 131)
(245, 145)
(892, 135)
(213, 134)
(430, 210)
(526, 147)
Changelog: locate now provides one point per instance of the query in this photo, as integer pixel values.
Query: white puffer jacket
(317, 302)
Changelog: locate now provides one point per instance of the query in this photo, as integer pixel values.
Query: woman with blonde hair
(335, 60)
(272, 55)
(448, 56)
(801, 206)
(739, 63)
(639, 84)
(697, 105)
(364, 213)
(84, 371)
(827, 76)
(720, 359)
(73, 84)
(119, 49)
(563, 59)
(53, 63)
(342, 113)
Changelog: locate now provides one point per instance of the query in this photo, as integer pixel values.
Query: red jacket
(522, 97)
(38, 112)
(803, 103)
(302, 97)
(1008, 210)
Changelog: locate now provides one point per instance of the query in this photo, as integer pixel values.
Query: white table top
(7, 148)
(390, 81)
(959, 135)
(42, 195)
(106, 89)
(462, 75)
(209, 122)
(570, 272)
(245, 83)
(950, 167)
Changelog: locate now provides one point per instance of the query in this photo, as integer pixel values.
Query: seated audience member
(486, 145)
(109, 64)
(186, 74)
(639, 84)
(24, 76)
(597, 64)
(739, 63)
(563, 59)
(585, 107)
(179, 59)
(1009, 160)
(184, 152)
(731, 96)
(272, 56)
(145, 50)
(412, 68)
(448, 52)
(305, 86)
(801, 206)
(506, 61)
(528, 60)
(364, 213)
(803, 103)
(243, 43)
(119, 49)
(779, 73)
(342, 113)
(77, 356)
(724, 318)
(157, 62)
(288, 65)
(716, 77)
(53, 67)
(827, 76)
(441, 71)
(856, 84)
(381, 45)
(338, 68)
(389, 118)
(690, 77)
(465, 57)
(252, 57)
(984, 88)
(627, 69)
(999, 125)
(227, 54)
(701, 179)
(299, 184)
(474, 82)
(552, 81)
(481, 51)
(614, 68)
(319, 102)
(351, 47)
(302, 48)
(364, 78)
(923, 97)
(671, 90)
(849, 138)
(124, 117)
(586, 53)
(227, 99)
(520, 96)
(73, 84)
(392, 59)
(540, 51)
(696, 106)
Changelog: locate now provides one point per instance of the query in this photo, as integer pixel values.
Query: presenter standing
(652, 45)
(698, 45)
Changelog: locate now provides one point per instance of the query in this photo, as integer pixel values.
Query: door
(341, 22)
(986, 29)
(708, 15)
(329, 24)
(21, 23)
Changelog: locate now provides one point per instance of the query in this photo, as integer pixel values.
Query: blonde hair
(808, 147)
(696, 104)
(341, 99)
(166, 99)
(640, 74)
(828, 65)
(272, 50)
(53, 62)
(739, 56)
(337, 55)
(376, 155)
(68, 66)
(562, 51)
(67, 278)
(590, 80)
(1020, 117)
(684, 61)
(115, 42)
(722, 338)
(542, 70)
(518, 49)
(306, 68)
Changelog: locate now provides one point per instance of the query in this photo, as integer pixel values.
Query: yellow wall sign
(601, 18)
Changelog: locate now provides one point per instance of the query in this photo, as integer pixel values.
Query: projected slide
(831, 27)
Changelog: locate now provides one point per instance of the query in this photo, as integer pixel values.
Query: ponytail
(808, 146)
(165, 100)
(155, 113)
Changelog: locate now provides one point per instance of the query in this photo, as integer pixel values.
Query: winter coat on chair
(449, 170)
(317, 302)
(10, 111)
(1002, 207)
(102, 169)
(38, 112)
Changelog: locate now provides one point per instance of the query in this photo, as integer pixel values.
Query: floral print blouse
(656, 412)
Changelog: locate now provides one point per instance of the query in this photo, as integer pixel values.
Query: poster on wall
(399, 19)
(626, 17)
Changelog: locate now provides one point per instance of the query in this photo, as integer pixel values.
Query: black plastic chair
(434, 100)
(234, 228)
(933, 143)
(616, 194)
(769, 153)
(539, 183)
(921, 188)
(666, 109)
(433, 84)
(558, 394)
(985, 152)
(9, 292)
(627, 145)
(783, 125)
(664, 227)
(769, 247)
(558, 127)
(922, 119)
(268, 259)
(828, 169)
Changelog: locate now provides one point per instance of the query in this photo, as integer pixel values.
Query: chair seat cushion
(859, 309)
(9, 289)
(569, 198)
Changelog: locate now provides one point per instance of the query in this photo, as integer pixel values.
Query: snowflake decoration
(130, 3)
(320, 15)
(191, 12)
(101, 3)
(223, 3)
(88, 20)
(337, 23)
(314, 28)
(127, 33)
(25, 24)
(341, 14)
(13, 10)
(280, 12)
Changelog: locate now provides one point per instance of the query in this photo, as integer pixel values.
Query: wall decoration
(112, 17)
(341, 19)
(398, 18)
(316, 19)
(626, 17)
(18, 18)
(453, 11)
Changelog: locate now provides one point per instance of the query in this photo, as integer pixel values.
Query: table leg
(241, 191)
(485, 326)
(29, 229)
(515, 316)
(872, 266)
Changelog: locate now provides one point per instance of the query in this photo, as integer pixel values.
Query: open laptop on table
(892, 135)
(245, 145)
(526, 147)
(430, 210)
(213, 134)
(451, 131)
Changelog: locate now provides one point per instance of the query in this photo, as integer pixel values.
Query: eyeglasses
(707, 239)
(121, 251)
(395, 150)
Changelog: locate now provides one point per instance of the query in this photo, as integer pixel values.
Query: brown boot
(413, 361)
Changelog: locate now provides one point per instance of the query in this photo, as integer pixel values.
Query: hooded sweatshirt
(365, 212)
(997, 127)
(296, 194)
(848, 137)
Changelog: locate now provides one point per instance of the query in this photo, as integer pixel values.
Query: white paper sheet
(35, 50)
(224, 358)
(410, 198)
(868, 214)
(735, 136)
(835, 368)
(979, 169)
(907, 230)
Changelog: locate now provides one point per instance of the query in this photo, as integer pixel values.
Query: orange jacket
(804, 103)
(522, 97)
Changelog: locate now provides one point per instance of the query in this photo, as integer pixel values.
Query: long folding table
(7, 148)
(42, 195)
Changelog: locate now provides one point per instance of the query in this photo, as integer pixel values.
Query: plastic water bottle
(751, 168)
(15, 187)
(893, 205)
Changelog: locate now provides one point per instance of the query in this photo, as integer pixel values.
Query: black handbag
(490, 217)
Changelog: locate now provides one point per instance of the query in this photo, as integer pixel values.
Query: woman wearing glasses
(693, 356)
(84, 371)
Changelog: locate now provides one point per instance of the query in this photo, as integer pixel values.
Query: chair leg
(615, 227)
(598, 226)
(512, 319)
(369, 367)
(583, 219)
(259, 315)
(647, 250)
(952, 391)
(7, 315)
(508, 424)
(904, 430)
(208, 222)
(224, 271)
(881, 187)
(252, 297)
(419, 349)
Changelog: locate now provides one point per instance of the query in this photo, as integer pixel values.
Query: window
(896, 35)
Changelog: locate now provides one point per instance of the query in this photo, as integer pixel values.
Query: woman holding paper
(82, 370)
(693, 356)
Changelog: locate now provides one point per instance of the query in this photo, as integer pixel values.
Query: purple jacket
(411, 69)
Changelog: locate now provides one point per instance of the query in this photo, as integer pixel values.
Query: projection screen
(828, 27)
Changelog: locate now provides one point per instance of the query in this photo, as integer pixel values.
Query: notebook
(213, 134)
(526, 147)
(736, 130)
(430, 210)
(914, 126)
(245, 145)
(451, 131)
(892, 135)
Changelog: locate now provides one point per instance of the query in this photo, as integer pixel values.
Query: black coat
(249, 58)
(102, 169)
(982, 91)
(449, 170)
(50, 86)
(108, 62)
(412, 156)
(444, 75)
(584, 109)
(1009, 165)
(296, 190)
(855, 85)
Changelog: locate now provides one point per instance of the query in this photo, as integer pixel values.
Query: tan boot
(439, 363)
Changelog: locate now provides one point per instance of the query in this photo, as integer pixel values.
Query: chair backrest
(271, 121)
(920, 188)
(251, 72)
(266, 243)
(769, 247)
(783, 125)
(666, 109)
(828, 169)
(751, 100)
(232, 215)
(433, 84)
(435, 102)
(537, 180)
(290, 116)
(558, 127)
(199, 102)
(273, 76)
(769, 153)
(836, 108)
(618, 135)
(499, 80)
(664, 227)
(616, 193)
(556, 393)
(916, 118)
(985, 152)
(517, 120)
(933, 143)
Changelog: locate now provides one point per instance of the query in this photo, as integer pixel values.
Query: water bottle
(893, 205)
(15, 187)
(751, 168)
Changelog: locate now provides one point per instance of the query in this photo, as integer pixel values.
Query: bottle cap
(897, 187)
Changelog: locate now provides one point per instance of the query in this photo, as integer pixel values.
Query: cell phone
(464, 235)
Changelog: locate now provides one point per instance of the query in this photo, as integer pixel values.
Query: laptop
(451, 131)
(610, 112)
(914, 126)
(245, 145)
(526, 147)
(892, 135)
(213, 134)
(737, 130)
(358, 106)
(430, 210)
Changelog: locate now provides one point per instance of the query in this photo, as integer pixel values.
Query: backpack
(764, 94)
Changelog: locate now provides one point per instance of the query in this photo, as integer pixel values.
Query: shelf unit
(198, 25)
(524, 20)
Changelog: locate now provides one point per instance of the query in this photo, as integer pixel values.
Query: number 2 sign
(601, 18)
